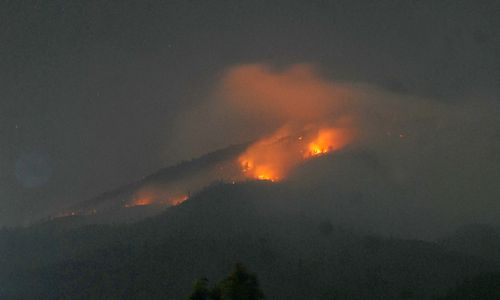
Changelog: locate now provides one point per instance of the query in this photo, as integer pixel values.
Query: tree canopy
(239, 285)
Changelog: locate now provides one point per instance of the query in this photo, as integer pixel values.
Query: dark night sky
(89, 89)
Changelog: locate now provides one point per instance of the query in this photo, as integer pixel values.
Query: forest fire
(142, 201)
(271, 158)
(328, 140)
(149, 196)
(294, 114)
(274, 157)
(310, 115)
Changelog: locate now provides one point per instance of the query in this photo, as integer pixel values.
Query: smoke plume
(442, 157)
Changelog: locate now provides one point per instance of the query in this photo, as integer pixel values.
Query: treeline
(239, 285)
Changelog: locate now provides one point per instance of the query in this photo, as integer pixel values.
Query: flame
(272, 158)
(313, 115)
(268, 159)
(143, 201)
(296, 113)
(156, 195)
(328, 140)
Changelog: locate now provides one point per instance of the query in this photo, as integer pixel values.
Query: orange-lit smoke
(328, 140)
(309, 112)
(296, 95)
(272, 158)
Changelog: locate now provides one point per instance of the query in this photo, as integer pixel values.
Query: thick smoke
(442, 158)
(293, 95)
(256, 100)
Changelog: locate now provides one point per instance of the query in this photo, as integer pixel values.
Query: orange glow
(178, 200)
(313, 114)
(269, 158)
(328, 140)
(297, 93)
(262, 170)
(156, 195)
(143, 201)
(272, 158)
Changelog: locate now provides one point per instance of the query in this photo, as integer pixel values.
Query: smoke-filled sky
(94, 94)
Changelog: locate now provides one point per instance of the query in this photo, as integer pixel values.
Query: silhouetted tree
(239, 285)
(216, 293)
(200, 290)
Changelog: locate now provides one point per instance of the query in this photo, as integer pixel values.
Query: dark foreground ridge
(295, 254)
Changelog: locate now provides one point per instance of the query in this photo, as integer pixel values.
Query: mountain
(167, 183)
(275, 233)
(481, 240)
(341, 226)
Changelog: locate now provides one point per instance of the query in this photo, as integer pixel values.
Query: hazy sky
(90, 90)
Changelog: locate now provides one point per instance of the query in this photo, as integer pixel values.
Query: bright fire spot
(178, 200)
(328, 140)
(265, 177)
(157, 199)
(143, 201)
(261, 171)
(268, 159)
(272, 158)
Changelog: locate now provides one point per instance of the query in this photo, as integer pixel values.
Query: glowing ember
(272, 158)
(158, 199)
(263, 170)
(328, 140)
(268, 158)
(143, 201)
(178, 200)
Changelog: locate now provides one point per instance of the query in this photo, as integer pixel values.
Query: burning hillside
(272, 158)
(296, 114)
(401, 146)
(306, 109)
(159, 196)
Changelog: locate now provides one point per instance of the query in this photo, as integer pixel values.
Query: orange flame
(268, 159)
(328, 140)
(274, 157)
(297, 99)
(143, 201)
(155, 195)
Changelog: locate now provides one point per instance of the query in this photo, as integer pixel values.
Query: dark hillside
(295, 255)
